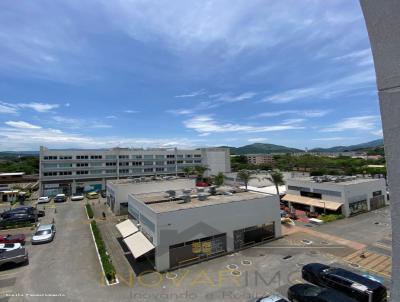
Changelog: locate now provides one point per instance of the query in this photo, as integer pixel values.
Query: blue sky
(185, 73)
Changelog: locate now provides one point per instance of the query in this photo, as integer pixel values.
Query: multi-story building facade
(78, 171)
(259, 159)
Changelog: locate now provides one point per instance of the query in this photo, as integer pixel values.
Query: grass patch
(108, 267)
(330, 217)
(89, 210)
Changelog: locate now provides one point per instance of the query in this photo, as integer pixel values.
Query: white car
(44, 233)
(6, 247)
(43, 199)
(77, 197)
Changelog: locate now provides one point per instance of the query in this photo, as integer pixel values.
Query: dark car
(20, 214)
(354, 285)
(60, 198)
(312, 293)
(17, 238)
(14, 257)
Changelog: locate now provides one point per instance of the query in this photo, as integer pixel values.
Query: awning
(317, 203)
(138, 244)
(127, 228)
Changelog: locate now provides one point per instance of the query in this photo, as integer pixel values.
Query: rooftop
(160, 202)
(336, 180)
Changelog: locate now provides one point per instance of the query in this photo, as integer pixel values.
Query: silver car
(272, 298)
(44, 233)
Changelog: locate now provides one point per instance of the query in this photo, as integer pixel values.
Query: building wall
(349, 192)
(68, 166)
(189, 224)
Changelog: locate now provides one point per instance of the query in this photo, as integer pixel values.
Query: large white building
(78, 171)
(174, 228)
(347, 195)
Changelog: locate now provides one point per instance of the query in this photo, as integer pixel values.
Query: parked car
(43, 199)
(60, 198)
(92, 195)
(21, 214)
(18, 238)
(5, 247)
(271, 298)
(44, 233)
(77, 197)
(312, 293)
(352, 284)
(14, 257)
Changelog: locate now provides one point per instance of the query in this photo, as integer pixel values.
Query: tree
(188, 171)
(219, 179)
(276, 177)
(200, 170)
(245, 176)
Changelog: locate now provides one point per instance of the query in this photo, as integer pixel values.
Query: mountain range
(271, 148)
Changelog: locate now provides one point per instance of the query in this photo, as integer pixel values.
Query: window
(50, 174)
(148, 170)
(82, 157)
(170, 162)
(148, 163)
(124, 164)
(65, 157)
(123, 156)
(197, 161)
(111, 171)
(145, 221)
(376, 193)
(82, 164)
(65, 173)
(137, 163)
(188, 155)
(82, 172)
(197, 155)
(124, 171)
(328, 192)
(50, 157)
(159, 163)
(96, 164)
(96, 157)
(160, 157)
(137, 157)
(65, 165)
(170, 156)
(137, 170)
(159, 169)
(111, 164)
(180, 155)
(111, 157)
(179, 161)
(294, 188)
(171, 169)
(50, 165)
(148, 157)
(188, 161)
(96, 172)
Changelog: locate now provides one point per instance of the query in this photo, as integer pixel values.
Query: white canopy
(127, 228)
(138, 244)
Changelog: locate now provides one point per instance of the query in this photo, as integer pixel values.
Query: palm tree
(245, 176)
(219, 179)
(188, 171)
(276, 177)
(200, 170)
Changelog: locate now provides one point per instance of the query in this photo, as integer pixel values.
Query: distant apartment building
(78, 171)
(259, 159)
(347, 195)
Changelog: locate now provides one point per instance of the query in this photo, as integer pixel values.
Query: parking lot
(68, 268)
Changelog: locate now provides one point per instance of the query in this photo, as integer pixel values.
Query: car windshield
(312, 291)
(43, 232)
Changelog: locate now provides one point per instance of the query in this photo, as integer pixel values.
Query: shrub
(89, 210)
(108, 267)
(330, 217)
(4, 225)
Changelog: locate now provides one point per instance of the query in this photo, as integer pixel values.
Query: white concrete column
(383, 23)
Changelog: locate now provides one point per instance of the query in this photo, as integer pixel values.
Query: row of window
(121, 171)
(318, 191)
(80, 157)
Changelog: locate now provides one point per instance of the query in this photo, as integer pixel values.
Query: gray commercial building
(175, 228)
(347, 195)
(78, 171)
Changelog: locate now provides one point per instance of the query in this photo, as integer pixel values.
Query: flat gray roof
(341, 183)
(164, 205)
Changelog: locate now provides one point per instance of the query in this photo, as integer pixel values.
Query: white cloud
(131, 111)
(336, 138)
(360, 57)
(180, 111)
(21, 125)
(8, 108)
(111, 117)
(192, 94)
(229, 98)
(257, 139)
(293, 121)
(206, 124)
(368, 122)
(305, 113)
(39, 107)
(343, 85)
(78, 123)
(377, 132)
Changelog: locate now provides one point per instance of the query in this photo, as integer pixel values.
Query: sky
(144, 73)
